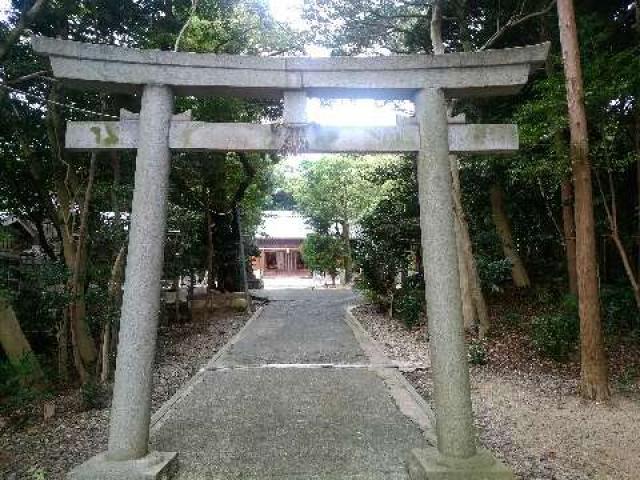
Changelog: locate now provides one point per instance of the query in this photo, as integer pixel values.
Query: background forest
(516, 214)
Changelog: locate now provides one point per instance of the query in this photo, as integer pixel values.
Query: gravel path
(73, 435)
(533, 420)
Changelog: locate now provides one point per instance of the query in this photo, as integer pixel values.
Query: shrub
(16, 385)
(556, 334)
(628, 378)
(409, 301)
(493, 273)
(408, 304)
(477, 353)
(619, 310)
(94, 395)
(512, 319)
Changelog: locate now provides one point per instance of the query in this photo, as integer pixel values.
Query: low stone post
(128, 453)
(456, 455)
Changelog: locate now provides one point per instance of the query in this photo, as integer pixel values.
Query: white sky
(339, 112)
(4, 9)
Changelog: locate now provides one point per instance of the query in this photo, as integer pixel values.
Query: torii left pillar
(128, 455)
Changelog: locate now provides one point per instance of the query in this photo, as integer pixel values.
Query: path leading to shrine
(269, 407)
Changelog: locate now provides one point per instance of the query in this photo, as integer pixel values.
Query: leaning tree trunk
(594, 365)
(83, 345)
(474, 307)
(468, 312)
(503, 227)
(15, 343)
(465, 254)
(75, 254)
(115, 299)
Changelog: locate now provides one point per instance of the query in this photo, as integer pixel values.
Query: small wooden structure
(280, 243)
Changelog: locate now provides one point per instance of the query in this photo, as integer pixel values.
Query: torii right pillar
(456, 456)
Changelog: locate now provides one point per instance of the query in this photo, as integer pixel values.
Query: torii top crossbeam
(111, 68)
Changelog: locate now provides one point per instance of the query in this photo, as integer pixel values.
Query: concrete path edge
(158, 417)
(408, 400)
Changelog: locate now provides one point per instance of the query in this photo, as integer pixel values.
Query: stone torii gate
(429, 81)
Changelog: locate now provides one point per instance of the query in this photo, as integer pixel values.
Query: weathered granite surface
(112, 68)
(239, 137)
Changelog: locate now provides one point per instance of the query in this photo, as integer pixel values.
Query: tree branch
(26, 19)
(514, 21)
(192, 12)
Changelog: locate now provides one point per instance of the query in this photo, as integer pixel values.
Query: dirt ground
(33, 449)
(527, 409)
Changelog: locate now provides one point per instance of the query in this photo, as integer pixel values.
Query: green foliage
(16, 386)
(628, 378)
(512, 319)
(556, 334)
(94, 395)
(477, 353)
(37, 473)
(619, 311)
(409, 303)
(336, 190)
(493, 273)
(389, 237)
(323, 253)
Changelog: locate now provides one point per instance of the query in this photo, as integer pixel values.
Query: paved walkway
(266, 409)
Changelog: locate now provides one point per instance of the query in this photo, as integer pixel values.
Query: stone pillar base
(155, 466)
(429, 464)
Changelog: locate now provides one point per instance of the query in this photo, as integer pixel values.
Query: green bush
(556, 334)
(512, 319)
(619, 311)
(408, 305)
(94, 395)
(493, 273)
(16, 386)
(628, 378)
(478, 354)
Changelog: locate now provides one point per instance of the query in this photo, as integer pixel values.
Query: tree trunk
(63, 346)
(503, 227)
(468, 309)
(15, 343)
(436, 27)
(594, 365)
(475, 286)
(348, 259)
(566, 191)
(569, 227)
(14, 34)
(612, 218)
(83, 343)
(474, 307)
(636, 142)
(115, 299)
(211, 285)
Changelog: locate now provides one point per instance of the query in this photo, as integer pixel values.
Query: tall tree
(335, 190)
(594, 367)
